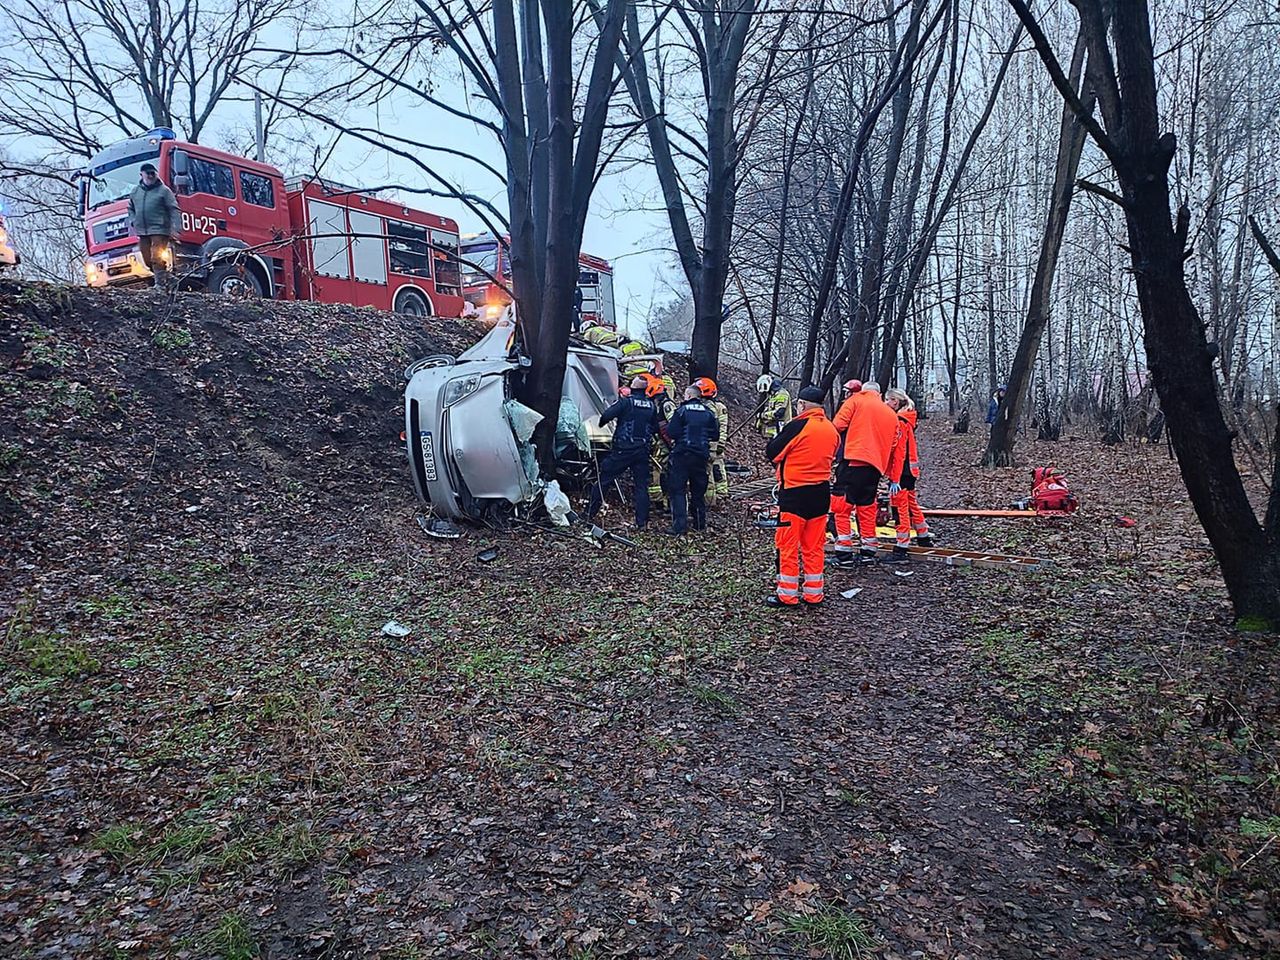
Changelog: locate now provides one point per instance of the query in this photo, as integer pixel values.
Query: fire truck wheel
(411, 304)
(234, 280)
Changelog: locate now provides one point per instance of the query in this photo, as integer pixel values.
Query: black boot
(899, 555)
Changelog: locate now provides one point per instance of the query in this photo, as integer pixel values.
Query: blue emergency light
(160, 133)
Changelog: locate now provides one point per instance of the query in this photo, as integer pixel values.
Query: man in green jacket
(156, 219)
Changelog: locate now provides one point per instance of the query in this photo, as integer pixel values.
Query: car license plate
(428, 455)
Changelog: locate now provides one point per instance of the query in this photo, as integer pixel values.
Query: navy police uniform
(637, 418)
(693, 429)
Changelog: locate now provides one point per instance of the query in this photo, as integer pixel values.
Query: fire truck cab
(246, 231)
(232, 211)
(486, 260)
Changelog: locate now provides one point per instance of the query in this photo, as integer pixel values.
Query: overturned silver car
(468, 438)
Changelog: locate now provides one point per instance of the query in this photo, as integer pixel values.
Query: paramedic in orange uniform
(841, 508)
(803, 451)
(871, 438)
(910, 516)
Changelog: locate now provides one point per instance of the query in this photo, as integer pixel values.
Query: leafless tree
(82, 73)
(521, 72)
(1181, 361)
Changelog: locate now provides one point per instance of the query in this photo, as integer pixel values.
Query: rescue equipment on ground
(1050, 495)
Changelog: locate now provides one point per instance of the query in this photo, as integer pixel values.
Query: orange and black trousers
(800, 538)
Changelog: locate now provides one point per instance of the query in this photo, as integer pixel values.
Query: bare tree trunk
(788, 165)
(1071, 139)
(936, 213)
(719, 39)
(867, 314)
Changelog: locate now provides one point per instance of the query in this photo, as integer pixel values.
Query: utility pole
(259, 133)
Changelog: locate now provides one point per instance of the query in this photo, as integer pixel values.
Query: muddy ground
(211, 750)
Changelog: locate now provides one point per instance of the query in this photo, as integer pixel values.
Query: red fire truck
(246, 230)
(485, 258)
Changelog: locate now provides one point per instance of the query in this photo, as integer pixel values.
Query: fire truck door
(209, 209)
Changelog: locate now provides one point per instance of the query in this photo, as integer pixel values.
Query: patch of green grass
(170, 336)
(287, 846)
(661, 744)
(52, 656)
(837, 933)
(46, 652)
(723, 703)
(182, 841)
(42, 347)
(114, 608)
(855, 797)
(117, 841)
(292, 845)
(1260, 829)
(231, 939)
(1254, 625)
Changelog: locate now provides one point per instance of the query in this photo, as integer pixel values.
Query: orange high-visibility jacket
(907, 446)
(804, 449)
(870, 427)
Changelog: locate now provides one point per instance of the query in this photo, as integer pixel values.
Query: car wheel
(410, 303)
(234, 280)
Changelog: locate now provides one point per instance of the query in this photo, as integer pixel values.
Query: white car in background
(467, 437)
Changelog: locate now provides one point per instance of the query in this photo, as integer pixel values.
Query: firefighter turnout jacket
(803, 451)
(774, 412)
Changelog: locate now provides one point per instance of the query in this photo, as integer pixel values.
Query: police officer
(693, 429)
(637, 417)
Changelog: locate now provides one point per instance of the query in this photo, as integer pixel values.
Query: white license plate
(428, 455)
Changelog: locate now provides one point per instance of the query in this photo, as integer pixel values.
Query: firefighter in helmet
(662, 391)
(717, 476)
(775, 406)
